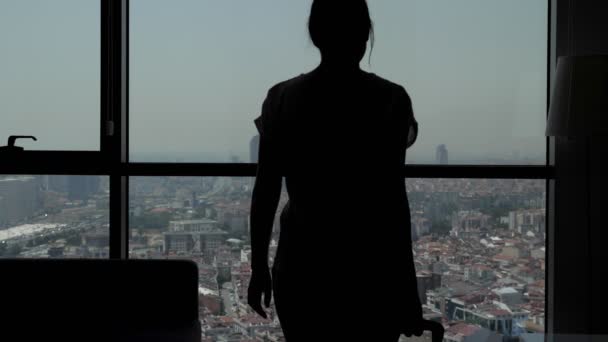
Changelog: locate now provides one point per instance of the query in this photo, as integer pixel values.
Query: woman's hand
(413, 323)
(260, 282)
(413, 326)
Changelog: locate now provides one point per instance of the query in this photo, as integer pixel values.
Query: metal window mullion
(119, 232)
(550, 183)
(124, 118)
(92, 163)
(114, 118)
(409, 171)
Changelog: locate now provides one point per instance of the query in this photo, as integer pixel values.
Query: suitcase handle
(437, 330)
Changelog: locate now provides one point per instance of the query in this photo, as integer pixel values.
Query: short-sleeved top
(340, 142)
(399, 103)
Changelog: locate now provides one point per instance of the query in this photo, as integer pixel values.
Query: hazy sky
(200, 69)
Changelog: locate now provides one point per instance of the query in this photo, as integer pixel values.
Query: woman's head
(340, 29)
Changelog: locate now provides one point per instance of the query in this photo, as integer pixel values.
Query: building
(441, 155)
(508, 295)
(495, 316)
(210, 300)
(527, 220)
(463, 332)
(479, 272)
(81, 188)
(234, 218)
(98, 238)
(193, 236)
(56, 183)
(512, 251)
(420, 226)
(468, 221)
(56, 251)
(19, 199)
(254, 146)
(427, 281)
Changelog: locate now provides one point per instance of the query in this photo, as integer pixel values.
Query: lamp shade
(579, 105)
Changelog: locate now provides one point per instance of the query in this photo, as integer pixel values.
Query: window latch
(11, 143)
(109, 128)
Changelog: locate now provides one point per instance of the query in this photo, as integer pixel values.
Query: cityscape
(479, 244)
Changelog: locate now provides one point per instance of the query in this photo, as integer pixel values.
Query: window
(50, 73)
(478, 82)
(475, 241)
(175, 103)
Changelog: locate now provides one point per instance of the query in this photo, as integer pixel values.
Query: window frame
(113, 157)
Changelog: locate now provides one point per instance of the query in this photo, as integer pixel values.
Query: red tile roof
(462, 329)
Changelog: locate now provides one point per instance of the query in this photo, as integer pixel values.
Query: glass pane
(50, 71)
(479, 248)
(475, 69)
(54, 216)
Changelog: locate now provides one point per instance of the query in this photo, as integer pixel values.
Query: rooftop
(197, 221)
(463, 329)
(506, 290)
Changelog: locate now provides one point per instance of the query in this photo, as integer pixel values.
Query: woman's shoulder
(303, 81)
(386, 84)
(290, 83)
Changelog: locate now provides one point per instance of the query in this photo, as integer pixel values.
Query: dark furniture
(99, 300)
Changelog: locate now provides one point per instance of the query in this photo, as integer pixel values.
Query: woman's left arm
(264, 203)
(268, 181)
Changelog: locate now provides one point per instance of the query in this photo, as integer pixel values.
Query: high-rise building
(426, 281)
(82, 187)
(441, 155)
(525, 220)
(254, 146)
(420, 226)
(19, 199)
(194, 203)
(58, 183)
(467, 221)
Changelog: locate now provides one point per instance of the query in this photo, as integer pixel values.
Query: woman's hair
(335, 22)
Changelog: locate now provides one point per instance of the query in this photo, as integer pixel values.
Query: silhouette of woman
(344, 268)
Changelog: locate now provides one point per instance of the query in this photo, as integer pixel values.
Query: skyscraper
(19, 198)
(58, 183)
(254, 145)
(82, 187)
(441, 155)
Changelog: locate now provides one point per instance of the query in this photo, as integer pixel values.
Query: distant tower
(43, 182)
(441, 155)
(194, 201)
(254, 146)
(58, 183)
(82, 187)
